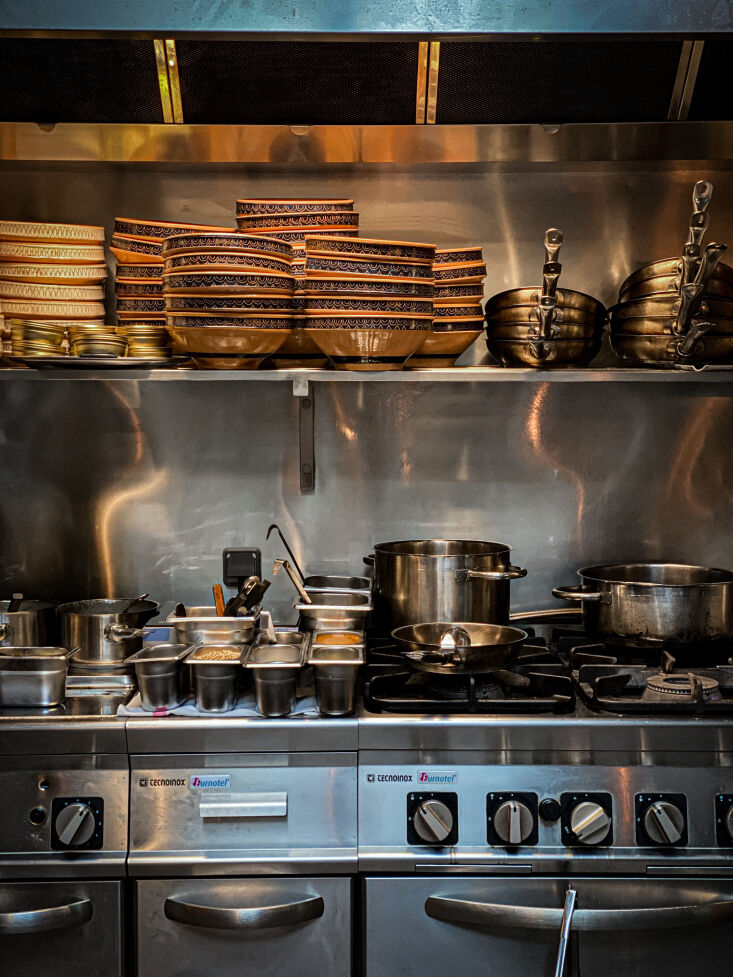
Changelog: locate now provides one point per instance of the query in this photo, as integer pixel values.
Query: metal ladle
(284, 565)
(294, 562)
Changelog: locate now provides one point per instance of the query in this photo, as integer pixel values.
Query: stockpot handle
(369, 560)
(577, 593)
(286, 913)
(474, 913)
(49, 918)
(121, 632)
(511, 573)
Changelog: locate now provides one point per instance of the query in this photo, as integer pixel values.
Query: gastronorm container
(334, 582)
(335, 674)
(275, 669)
(160, 675)
(33, 678)
(346, 609)
(215, 684)
(201, 625)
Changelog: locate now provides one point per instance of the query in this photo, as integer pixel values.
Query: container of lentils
(216, 670)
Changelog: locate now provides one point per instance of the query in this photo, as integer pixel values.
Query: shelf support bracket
(304, 391)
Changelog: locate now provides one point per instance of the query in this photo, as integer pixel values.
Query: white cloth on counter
(244, 708)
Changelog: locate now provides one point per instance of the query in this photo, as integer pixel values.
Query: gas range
(583, 758)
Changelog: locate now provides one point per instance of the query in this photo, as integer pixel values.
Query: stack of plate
(51, 273)
(368, 303)
(457, 314)
(228, 297)
(29, 337)
(291, 220)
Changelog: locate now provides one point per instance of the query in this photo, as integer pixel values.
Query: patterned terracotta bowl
(469, 272)
(447, 341)
(158, 230)
(129, 250)
(368, 342)
(452, 256)
(294, 221)
(256, 304)
(134, 273)
(228, 344)
(299, 205)
(230, 241)
(359, 305)
(53, 274)
(139, 289)
(369, 287)
(320, 265)
(227, 260)
(56, 233)
(140, 306)
(236, 282)
(448, 294)
(370, 247)
(297, 236)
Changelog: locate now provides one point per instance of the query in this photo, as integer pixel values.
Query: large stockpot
(419, 580)
(103, 629)
(33, 626)
(652, 604)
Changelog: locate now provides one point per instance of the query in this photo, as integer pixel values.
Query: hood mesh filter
(298, 82)
(47, 80)
(556, 81)
(711, 99)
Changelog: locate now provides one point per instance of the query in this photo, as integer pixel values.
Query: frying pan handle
(511, 573)
(577, 593)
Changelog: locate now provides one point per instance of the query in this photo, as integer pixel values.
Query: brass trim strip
(422, 82)
(165, 92)
(690, 80)
(433, 82)
(391, 144)
(174, 81)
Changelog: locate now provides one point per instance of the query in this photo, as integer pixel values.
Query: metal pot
(668, 268)
(103, 629)
(33, 626)
(472, 648)
(651, 604)
(566, 299)
(661, 285)
(543, 352)
(441, 580)
(696, 349)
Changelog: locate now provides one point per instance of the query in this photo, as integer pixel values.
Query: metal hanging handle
(702, 193)
(691, 294)
(285, 543)
(289, 913)
(511, 573)
(577, 593)
(546, 308)
(567, 919)
(121, 632)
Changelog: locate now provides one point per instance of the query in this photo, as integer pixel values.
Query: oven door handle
(472, 913)
(48, 918)
(287, 913)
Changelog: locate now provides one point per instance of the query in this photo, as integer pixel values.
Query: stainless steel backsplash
(114, 488)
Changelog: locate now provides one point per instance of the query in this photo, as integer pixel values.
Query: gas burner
(661, 687)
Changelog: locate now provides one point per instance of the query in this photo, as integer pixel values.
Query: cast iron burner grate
(625, 688)
(537, 683)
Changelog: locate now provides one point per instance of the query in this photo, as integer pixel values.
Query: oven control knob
(433, 821)
(513, 822)
(589, 823)
(664, 823)
(75, 824)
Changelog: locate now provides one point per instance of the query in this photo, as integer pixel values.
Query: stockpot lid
(27, 606)
(108, 605)
(657, 575)
(442, 547)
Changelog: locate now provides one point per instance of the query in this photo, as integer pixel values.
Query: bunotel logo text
(437, 776)
(210, 781)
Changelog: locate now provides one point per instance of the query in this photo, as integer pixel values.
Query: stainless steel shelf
(471, 374)
(319, 145)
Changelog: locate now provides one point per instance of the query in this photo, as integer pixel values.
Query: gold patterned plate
(58, 233)
(52, 310)
(52, 293)
(32, 251)
(53, 274)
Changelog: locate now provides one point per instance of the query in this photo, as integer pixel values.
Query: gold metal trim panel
(173, 80)
(433, 82)
(422, 81)
(165, 92)
(393, 144)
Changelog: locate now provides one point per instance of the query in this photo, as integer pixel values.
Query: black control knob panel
(77, 823)
(587, 819)
(661, 820)
(432, 818)
(511, 818)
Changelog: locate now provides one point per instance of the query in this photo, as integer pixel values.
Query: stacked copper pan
(678, 312)
(290, 219)
(543, 326)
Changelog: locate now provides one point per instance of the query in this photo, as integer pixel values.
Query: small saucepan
(464, 648)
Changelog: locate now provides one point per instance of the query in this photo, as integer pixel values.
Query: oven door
(244, 927)
(429, 927)
(62, 929)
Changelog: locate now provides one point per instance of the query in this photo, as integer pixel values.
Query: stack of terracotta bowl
(541, 326)
(291, 219)
(51, 275)
(458, 317)
(228, 297)
(368, 303)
